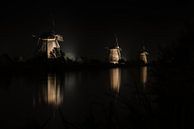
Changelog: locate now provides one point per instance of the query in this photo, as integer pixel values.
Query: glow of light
(70, 56)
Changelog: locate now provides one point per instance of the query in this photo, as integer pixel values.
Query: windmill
(48, 43)
(143, 56)
(115, 52)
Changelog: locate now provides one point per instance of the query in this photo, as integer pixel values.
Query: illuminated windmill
(143, 56)
(48, 45)
(115, 53)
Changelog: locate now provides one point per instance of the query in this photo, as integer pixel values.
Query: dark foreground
(143, 97)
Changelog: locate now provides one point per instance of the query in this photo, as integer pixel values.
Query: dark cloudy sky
(89, 27)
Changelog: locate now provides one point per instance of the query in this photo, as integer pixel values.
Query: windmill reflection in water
(115, 80)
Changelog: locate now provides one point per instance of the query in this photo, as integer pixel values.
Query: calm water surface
(89, 99)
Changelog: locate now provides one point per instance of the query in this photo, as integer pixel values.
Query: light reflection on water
(53, 94)
(115, 79)
(81, 96)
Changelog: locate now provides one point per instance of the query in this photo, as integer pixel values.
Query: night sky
(89, 27)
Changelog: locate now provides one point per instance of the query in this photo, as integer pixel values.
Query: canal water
(87, 99)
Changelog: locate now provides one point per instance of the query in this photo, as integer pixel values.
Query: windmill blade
(59, 38)
(116, 40)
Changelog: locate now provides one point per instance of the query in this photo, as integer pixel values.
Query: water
(89, 99)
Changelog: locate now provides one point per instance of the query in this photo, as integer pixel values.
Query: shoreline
(63, 67)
